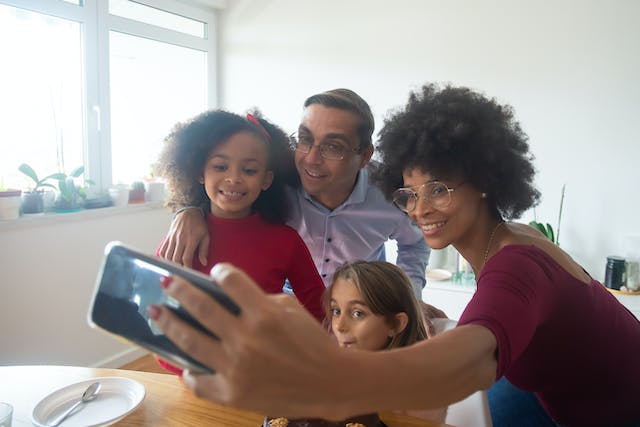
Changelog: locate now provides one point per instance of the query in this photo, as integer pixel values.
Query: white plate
(117, 398)
(438, 274)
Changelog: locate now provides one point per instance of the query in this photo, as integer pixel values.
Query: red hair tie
(256, 122)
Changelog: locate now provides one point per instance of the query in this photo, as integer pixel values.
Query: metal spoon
(89, 394)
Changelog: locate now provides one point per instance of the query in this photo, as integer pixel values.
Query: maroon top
(572, 344)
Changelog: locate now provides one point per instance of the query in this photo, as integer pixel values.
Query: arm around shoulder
(187, 234)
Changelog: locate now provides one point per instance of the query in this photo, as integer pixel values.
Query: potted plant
(136, 194)
(154, 188)
(547, 229)
(33, 200)
(9, 203)
(71, 196)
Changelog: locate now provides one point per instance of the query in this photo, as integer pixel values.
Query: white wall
(49, 267)
(569, 68)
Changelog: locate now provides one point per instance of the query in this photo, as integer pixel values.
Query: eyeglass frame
(293, 141)
(416, 195)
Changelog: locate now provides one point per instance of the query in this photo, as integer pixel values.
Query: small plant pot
(62, 205)
(119, 196)
(155, 191)
(10, 201)
(136, 195)
(32, 202)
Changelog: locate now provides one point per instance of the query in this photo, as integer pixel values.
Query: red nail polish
(165, 281)
(153, 311)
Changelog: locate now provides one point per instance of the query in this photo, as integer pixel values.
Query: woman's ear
(201, 179)
(401, 321)
(268, 180)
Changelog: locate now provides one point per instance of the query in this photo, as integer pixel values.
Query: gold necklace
(493, 233)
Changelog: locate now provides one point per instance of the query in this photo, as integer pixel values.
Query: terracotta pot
(136, 195)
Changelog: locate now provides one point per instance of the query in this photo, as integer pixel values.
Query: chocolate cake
(370, 420)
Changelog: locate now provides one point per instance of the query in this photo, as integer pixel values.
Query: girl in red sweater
(234, 169)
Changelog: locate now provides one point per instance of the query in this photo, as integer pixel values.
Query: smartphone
(128, 283)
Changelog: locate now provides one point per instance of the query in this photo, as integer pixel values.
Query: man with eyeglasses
(339, 214)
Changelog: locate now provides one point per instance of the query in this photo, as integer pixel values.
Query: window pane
(41, 101)
(159, 18)
(153, 86)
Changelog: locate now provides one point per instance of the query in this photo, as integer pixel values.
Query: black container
(614, 275)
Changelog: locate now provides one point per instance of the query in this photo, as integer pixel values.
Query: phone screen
(128, 283)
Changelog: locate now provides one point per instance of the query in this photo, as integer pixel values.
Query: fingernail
(165, 281)
(217, 269)
(153, 311)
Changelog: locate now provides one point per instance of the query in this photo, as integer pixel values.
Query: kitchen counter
(452, 297)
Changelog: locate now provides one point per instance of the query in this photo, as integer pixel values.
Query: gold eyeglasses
(329, 150)
(435, 193)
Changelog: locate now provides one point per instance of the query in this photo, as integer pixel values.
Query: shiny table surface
(167, 402)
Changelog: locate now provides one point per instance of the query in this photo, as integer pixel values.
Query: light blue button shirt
(357, 230)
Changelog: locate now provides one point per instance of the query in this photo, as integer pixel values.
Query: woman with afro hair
(458, 164)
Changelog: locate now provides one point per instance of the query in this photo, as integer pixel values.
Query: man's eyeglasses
(328, 150)
(435, 193)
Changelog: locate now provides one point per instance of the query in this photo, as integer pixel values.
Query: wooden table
(167, 402)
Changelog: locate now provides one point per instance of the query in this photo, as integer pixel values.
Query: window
(99, 83)
(41, 102)
(153, 85)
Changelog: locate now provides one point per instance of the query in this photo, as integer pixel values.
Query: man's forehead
(320, 118)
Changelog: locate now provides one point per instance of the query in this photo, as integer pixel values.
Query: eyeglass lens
(328, 150)
(436, 194)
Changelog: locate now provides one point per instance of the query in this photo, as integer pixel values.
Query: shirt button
(326, 260)
(329, 239)
(324, 275)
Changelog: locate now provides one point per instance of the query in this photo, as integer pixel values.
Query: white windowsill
(50, 218)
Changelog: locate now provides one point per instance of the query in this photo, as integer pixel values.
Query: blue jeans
(512, 407)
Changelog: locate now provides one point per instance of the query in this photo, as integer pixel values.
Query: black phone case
(118, 308)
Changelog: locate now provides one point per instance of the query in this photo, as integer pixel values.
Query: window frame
(96, 23)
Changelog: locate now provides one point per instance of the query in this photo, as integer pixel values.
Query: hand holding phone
(129, 281)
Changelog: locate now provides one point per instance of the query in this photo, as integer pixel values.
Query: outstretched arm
(275, 358)
(187, 234)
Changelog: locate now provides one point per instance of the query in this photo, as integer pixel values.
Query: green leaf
(56, 175)
(62, 187)
(28, 170)
(550, 234)
(538, 226)
(77, 171)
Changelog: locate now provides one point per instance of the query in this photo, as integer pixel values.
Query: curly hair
(186, 149)
(454, 132)
(387, 291)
